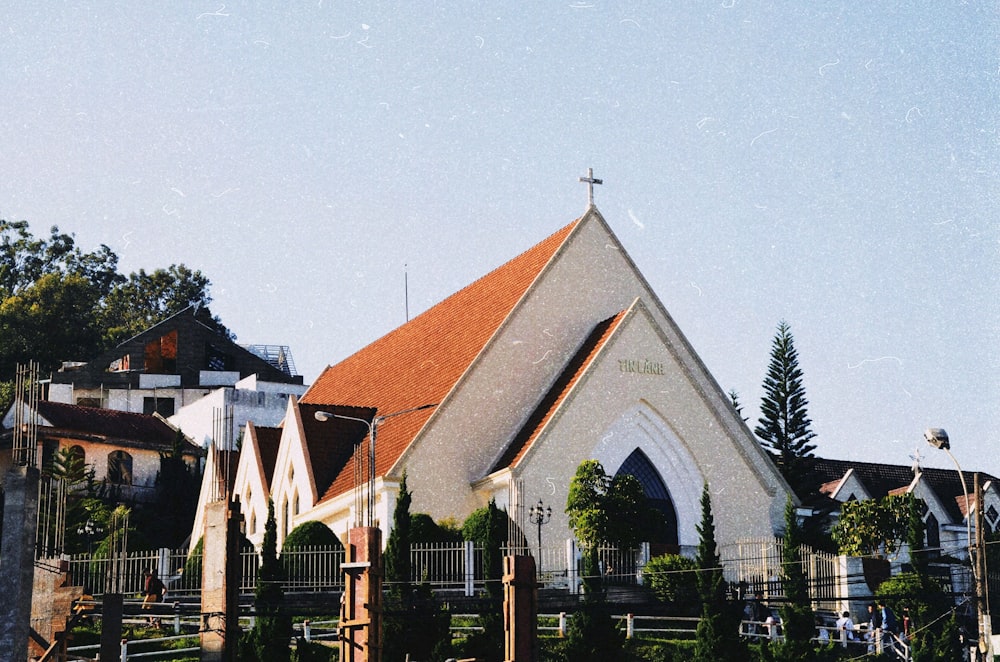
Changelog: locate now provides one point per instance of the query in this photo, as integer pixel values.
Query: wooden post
(520, 615)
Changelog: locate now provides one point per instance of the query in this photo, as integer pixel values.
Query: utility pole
(985, 624)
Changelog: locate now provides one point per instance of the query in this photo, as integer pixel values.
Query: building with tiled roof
(561, 355)
(123, 448)
(949, 503)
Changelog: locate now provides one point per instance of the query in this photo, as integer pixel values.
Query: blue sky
(831, 164)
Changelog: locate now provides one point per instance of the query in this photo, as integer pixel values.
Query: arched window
(119, 468)
(933, 535)
(285, 519)
(639, 466)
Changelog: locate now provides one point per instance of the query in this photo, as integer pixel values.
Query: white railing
(755, 565)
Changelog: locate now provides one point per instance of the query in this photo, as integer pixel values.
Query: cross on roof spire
(590, 181)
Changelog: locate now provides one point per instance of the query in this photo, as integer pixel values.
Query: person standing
(153, 591)
(845, 628)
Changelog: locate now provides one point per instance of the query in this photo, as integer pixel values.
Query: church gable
(636, 394)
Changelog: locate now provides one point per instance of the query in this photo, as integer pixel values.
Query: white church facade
(563, 354)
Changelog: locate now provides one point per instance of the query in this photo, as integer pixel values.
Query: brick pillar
(17, 569)
(220, 581)
(520, 609)
(361, 606)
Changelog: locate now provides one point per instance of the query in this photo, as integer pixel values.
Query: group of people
(881, 628)
(879, 632)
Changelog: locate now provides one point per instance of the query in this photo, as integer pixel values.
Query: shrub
(674, 580)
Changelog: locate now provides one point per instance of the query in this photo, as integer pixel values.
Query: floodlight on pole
(372, 424)
(938, 438)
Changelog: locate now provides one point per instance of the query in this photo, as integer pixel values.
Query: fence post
(470, 569)
(562, 624)
(571, 572)
(629, 626)
(306, 630)
(177, 617)
(643, 560)
(124, 650)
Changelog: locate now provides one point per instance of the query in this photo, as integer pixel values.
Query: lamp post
(539, 514)
(373, 424)
(938, 438)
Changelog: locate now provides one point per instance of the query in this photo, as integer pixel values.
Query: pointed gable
(421, 362)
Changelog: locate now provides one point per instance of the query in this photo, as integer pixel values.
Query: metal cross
(590, 181)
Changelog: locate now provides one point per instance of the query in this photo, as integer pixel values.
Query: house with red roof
(123, 448)
(563, 354)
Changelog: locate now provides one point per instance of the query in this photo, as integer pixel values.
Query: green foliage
(414, 623)
(272, 628)
(177, 490)
(784, 425)
(873, 527)
(674, 579)
(717, 634)
(59, 303)
(311, 534)
(593, 635)
(307, 651)
(424, 529)
(797, 619)
(605, 509)
(487, 527)
(397, 551)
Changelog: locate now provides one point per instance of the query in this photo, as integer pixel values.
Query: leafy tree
(673, 579)
(424, 529)
(873, 527)
(784, 426)
(717, 633)
(272, 628)
(397, 550)
(48, 321)
(606, 510)
(148, 298)
(59, 303)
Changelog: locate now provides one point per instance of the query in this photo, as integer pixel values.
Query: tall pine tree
(272, 630)
(784, 426)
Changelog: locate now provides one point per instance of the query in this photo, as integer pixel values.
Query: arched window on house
(119, 468)
(933, 535)
(657, 495)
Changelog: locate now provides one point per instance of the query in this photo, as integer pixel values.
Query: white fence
(754, 565)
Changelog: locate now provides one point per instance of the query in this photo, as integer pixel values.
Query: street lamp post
(373, 424)
(539, 514)
(938, 438)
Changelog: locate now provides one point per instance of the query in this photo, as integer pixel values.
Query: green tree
(604, 510)
(797, 620)
(488, 527)
(873, 527)
(177, 490)
(272, 628)
(784, 426)
(49, 321)
(59, 303)
(717, 633)
(413, 622)
(145, 299)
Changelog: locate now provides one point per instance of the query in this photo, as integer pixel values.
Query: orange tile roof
(420, 362)
(546, 409)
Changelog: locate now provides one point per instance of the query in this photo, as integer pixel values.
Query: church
(563, 354)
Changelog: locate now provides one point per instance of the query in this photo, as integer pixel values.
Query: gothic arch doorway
(657, 495)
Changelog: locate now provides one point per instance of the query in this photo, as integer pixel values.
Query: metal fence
(755, 565)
